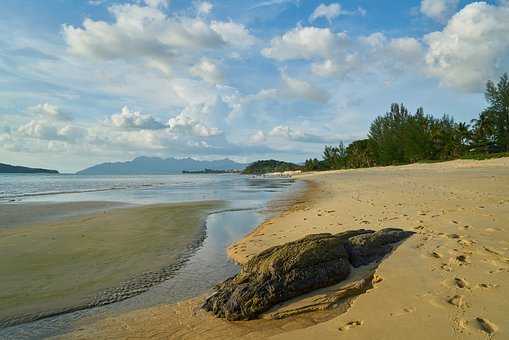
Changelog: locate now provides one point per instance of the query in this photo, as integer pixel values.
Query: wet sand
(448, 281)
(27, 213)
(91, 259)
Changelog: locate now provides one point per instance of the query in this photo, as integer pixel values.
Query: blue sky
(85, 81)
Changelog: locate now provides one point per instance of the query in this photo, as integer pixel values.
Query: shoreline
(439, 283)
(292, 202)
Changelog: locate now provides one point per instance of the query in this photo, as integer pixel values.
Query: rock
(366, 248)
(284, 272)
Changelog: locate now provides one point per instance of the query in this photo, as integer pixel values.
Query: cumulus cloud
(339, 66)
(127, 119)
(37, 129)
(257, 138)
(233, 33)
(305, 43)
(158, 3)
(300, 89)
(50, 111)
(208, 71)
(328, 12)
(472, 48)
(186, 125)
(439, 10)
(146, 33)
(204, 7)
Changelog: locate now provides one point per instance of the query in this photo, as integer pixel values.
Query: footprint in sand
(461, 283)
(486, 325)
(487, 285)
(351, 324)
(463, 259)
(457, 300)
(446, 267)
(466, 243)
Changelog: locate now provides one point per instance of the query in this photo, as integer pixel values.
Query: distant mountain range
(156, 165)
(14, 169)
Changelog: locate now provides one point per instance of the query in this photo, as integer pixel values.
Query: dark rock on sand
(284, 272)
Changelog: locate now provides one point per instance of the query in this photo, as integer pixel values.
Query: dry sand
(449, 281)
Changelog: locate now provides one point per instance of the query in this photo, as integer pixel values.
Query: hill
(268, 166)
(14, 169)
(156, 165)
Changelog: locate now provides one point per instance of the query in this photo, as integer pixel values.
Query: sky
(89, 81)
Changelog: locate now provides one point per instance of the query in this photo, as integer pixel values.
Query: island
(270, 166)
(14, 169)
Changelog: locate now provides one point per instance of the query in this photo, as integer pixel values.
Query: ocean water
(246, 198)
(139, 189)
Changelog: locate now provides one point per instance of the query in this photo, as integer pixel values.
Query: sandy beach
(99, 255)
(448, 281)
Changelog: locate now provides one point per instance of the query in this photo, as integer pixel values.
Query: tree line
(400, 137)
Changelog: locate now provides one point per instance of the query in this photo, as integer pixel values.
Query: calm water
(139, 189)
(246, 197)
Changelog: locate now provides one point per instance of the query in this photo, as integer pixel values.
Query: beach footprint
(351, 324)
(457, 301)
(486, 325)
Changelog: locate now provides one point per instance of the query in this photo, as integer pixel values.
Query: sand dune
(449, 281)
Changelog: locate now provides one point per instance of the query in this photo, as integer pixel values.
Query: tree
(360, 154)
(335, 157)
(493, 123)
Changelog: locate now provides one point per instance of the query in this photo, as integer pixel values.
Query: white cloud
(145, 33)
(158, 3)
(204, 7)
(472, 48)
(300, 89)
(38, 129)
(339, 67)
(257, 138)
(406, 49)
(328, 12)
(186, 125)
(389, 56)
(439, 10)
(134, 120)
(305, 43)
(208, 71)
(233, 33)
(49, 111)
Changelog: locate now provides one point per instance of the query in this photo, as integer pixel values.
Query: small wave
(19, 196)
(49, 193)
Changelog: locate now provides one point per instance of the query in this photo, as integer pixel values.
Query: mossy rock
(287, 271)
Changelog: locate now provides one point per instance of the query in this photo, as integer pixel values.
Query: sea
(247, 200)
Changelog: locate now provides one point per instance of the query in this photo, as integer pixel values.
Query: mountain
(14, 169)
(156, 165)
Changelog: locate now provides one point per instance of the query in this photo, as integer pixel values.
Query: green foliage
(335, 157)
(399, 137)
(268, 166)
(491, 129)
(360, 154)
(315, 165)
